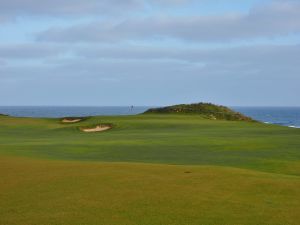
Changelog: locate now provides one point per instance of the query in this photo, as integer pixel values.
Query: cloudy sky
(150, 52)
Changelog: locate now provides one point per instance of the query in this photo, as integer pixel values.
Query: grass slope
(207, 110)
(223, 172)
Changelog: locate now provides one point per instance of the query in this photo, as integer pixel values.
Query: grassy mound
(207, 110)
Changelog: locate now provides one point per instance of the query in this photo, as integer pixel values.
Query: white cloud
(2, 62)
(13, 8)
(268, 21)
(118, 53)
(30, 51)
(246, 75)
(65, 7)
(263, 60)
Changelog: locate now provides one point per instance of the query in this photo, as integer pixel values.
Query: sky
(149, 52)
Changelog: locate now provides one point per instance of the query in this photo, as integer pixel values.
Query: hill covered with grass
(207, 110)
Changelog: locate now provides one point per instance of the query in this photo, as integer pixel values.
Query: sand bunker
(98, 128)
(67, 120)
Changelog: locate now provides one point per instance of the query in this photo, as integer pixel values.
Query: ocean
(284, 116)
(64, 111)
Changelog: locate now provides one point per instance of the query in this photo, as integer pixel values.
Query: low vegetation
(206, 110)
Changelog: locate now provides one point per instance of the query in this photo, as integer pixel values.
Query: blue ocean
(285, 116)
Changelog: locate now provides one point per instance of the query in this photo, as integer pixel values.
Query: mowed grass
(185, 140)
(149, 169)
(59, 192)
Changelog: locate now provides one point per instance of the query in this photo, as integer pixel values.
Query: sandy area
(71, 121)
(98, 128)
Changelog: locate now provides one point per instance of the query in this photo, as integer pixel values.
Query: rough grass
(207, 110)
(222, 172)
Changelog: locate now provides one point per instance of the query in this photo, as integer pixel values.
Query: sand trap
(98, 128)
(71, 120)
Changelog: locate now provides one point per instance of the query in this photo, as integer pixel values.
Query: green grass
(149, 169)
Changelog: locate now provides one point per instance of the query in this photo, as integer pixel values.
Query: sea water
(65, 111)
(285, 116)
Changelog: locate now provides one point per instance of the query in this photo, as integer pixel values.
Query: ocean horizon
(284, 116)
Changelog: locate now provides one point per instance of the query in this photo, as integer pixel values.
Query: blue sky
(149, 52)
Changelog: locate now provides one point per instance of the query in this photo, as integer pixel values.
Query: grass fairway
(148, 169)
